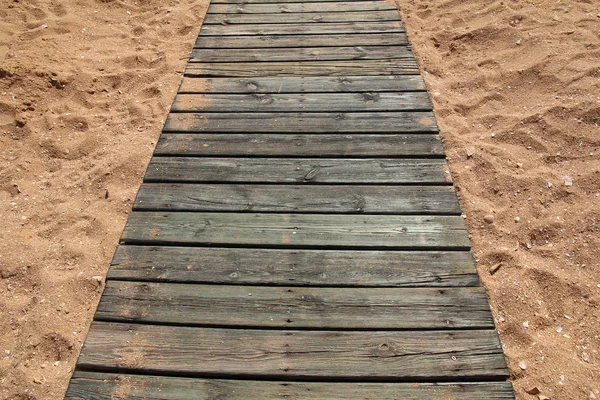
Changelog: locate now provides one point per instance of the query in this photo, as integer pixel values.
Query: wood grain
(403, 355)
(304, 68)
(95, 386)
(299, 41)
(275, 8)
(301, 17)
(372, 122)
(331, 199)
(304, 84)
(281, 267)
(298, 170)
(296, 230)
(299, 145)
(302, 54)
(302, 102)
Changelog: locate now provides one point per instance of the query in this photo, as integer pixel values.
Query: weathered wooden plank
(304, 68)
(336, 145)
(97, 386)
(302, 54)
(302, 102)
(295, 307)
(297, 170)
(243, 2)
(334, 199)
(301, 17)
(296, 230)
(281, 41)
(304, 84)
(281, 267)
(401, 355)
(373, 122)
(301, 7)
(325, 28)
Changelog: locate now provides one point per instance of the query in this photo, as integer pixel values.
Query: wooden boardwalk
(297, 234)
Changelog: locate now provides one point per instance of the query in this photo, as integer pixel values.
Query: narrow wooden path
(297, 234)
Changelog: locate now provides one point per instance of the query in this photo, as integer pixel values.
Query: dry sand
(84, 90)
(516, 90)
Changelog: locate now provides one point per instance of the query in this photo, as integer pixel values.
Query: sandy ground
(85, 87)
(516, 90)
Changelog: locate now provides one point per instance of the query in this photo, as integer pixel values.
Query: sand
(515, 87)
(85, 88)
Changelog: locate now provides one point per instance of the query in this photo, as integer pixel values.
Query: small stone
(523, 365)
(97, 280)
(494, 268)
(489, 219)
(592, 396)
(559, 330)
(549, 185)
(470, 152)
(534, 390)
(501, 319)
(517, 219)
(518, 42)
(568, 180)
(519, 165)
(542, 397)
(526, 324)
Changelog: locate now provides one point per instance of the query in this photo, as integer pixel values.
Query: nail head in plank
(302, 54)
(295, 307)
(300, 7)
(305, 29)
(306, 84)
(302, 102)
(334, 199)
(304, 68)
(298, 170)
(298, 41)
(403, 355)
(303, 145)
(296, 230)
(94, 386)
(300, 17)
(375, 122)
(282, 267)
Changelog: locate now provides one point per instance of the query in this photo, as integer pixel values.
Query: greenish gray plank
(302, 102)
(298, 40)
(298, 170)
(325, 28)
(296, 230)
(334, 199)
(301, 7)
(304, 84)
(302, 54)
(304, 68)
(372, 122)
(401, 355)
(280, 267)
(300, 17)
(324, 145)
(102, 386)
(295, 307)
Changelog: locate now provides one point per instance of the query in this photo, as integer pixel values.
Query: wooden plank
(336, 145)
(296, 230)
(304, 68)
(243, 2)
(294, 307)
(397, 356)
(301, 17)
(95, 386)
(373, 122)
(334, 199)
(302, 54)
(301, 7)
(298, 170)
(281, 267)
(302, 102)
(304, 84)
(244, 42)
(306, 29)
